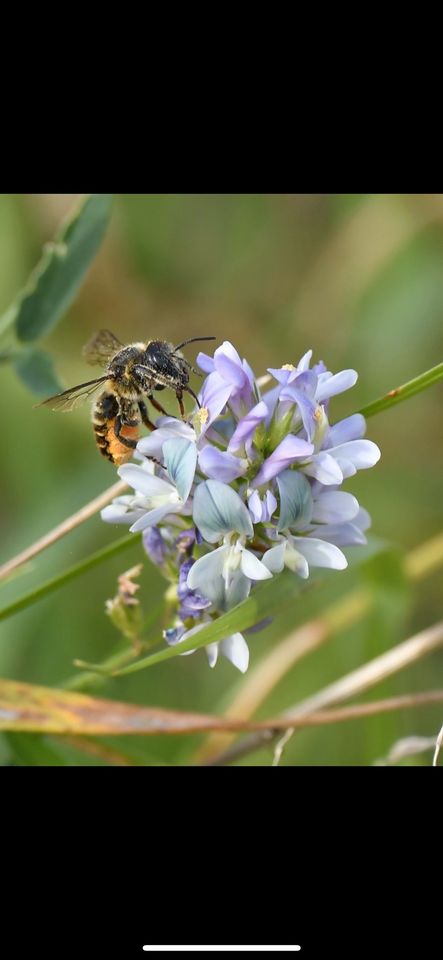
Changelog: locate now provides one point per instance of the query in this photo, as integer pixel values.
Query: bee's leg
(157, 405)
(150, 426)
(144, 415)
(179, 396)
(127, 441)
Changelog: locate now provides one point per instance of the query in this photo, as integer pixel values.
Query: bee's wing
(71, 398)
(101, 347)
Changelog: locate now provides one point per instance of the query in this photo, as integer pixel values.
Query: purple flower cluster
(250, 485)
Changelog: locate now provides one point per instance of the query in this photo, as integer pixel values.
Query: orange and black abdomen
(103, 420)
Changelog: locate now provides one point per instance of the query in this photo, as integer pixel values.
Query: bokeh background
(359, 278)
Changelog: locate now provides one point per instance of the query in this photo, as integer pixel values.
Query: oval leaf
(36, 369)
(53, 284)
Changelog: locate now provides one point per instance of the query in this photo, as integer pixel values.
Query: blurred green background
(359, 278)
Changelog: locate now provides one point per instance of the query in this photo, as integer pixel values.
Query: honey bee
(132, 373)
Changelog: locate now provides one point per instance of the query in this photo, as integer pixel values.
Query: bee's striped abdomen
(103, 420)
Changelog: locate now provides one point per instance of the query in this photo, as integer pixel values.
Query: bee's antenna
(192, 340)
(188, 390)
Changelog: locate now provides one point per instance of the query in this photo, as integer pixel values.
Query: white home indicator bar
(200, 948)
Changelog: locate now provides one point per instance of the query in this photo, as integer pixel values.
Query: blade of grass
(371, 673)
(75, 571)
(27, 708)
(262, 679)
(407, 390)
(63, 528)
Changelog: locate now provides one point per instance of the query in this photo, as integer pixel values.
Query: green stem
(406, 390)
(96, 675)
(75, 571)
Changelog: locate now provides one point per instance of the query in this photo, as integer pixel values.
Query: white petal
(206, 575)
(362, 453)
(274, 559)
(296, 562)
(324, 468)
(212, 653)
(114, 513)
(180, 457)
(252, 567)
(152, 517)
(145, 483)
(218, 511)
(236, 650)
(319, 553)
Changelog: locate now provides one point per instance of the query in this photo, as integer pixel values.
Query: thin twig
(437, 748)
(26, 707)
(280, 746)
(264, 676)
(348, 686)
(63, 528)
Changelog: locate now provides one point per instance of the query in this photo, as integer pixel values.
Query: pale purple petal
(283, 376)
(249, 373)
(329, 386)
(319, 553)
(205, 362)
(269, 506)
(270, 399)
(343, 534)
(303, 364)
(306, 406)
(214, 395)
(220, 465)
(235, 649)
(155, 546)
(228, 364)
(255, 507)
(351, 428)
(363, 519)
(290, 449)
(335, 506)
(247, 425)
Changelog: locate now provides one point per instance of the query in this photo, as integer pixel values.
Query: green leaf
(31, 750)
(53, 284)
(36, 369)
(27, 708)
(267, 599)
(75, 571)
